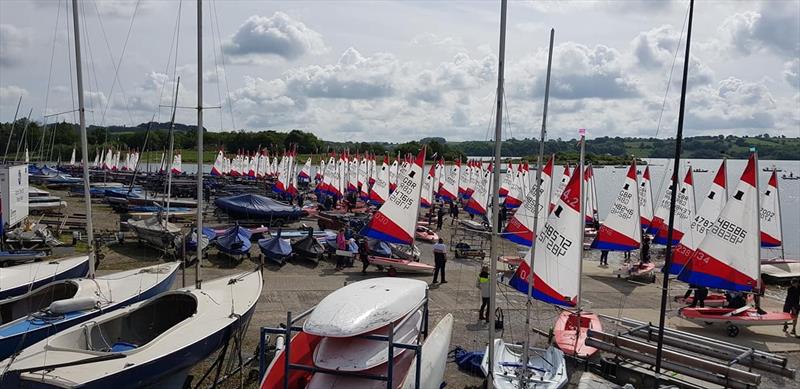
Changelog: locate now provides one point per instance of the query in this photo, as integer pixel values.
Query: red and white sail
(177, 164)
(591, 215)
(662, 209)
(560, 188)
(463, 178)
(449, 190)
(396, 220)
(557, 253)
(219, 164)
(771, 232)
(380, 189)
(393, 170)
(685, 210)
(645, 199)
(711, 207)
(516, 191)
(728, 256)
(621, 230)
(507, 180)
(476, 205)
(305, 172)
(426, 195)
(520, 228)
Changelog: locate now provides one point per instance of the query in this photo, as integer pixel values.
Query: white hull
(546, 367)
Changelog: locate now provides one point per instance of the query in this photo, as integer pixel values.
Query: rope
(222, 57)
(671, 71)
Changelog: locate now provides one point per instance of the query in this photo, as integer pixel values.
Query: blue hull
(27, 337)
(76, 272)
(156, 372)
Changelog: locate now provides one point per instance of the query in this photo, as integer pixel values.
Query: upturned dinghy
(17, 280)
(275, 249)
(29, 318)
(309, 247)
(144, 345)
(234, 241)
(545, 368)
(156, 231)
(364, 306)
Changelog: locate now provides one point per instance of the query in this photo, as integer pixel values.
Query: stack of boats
(363, 332)
(41, 200)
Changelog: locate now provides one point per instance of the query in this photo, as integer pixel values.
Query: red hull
(566, 329)
(748, 317)
(303, 346)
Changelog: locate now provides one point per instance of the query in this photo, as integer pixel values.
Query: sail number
(728, 231)
(620, 209)
(554, 241)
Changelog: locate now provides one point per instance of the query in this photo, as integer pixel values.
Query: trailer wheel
(733, 330)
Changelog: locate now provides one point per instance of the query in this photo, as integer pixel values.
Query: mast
(87, 196)
(498, 132)
(780, 213)
(171, 145)
(11, 135)
(676, 167)
(22, 138)
(537, 203)
(198, 280)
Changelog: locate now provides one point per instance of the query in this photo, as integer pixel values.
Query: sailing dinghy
(151, 343)
(20, 279)
(780, 268)
(545, 366)
(29, 318)
(728, 258)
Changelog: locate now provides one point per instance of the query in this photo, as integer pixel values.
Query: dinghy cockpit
(18, 307)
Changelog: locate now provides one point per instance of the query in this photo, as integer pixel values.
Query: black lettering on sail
(739, 195)
(767, 192)
(711, 195)
(626, 187)
(558, 211)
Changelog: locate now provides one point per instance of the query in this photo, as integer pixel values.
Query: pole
(87, 196)
(676, 167)
(24, 134)
(11, 134)
(536, 204)
(582, 202)
(197, 279)
(780, 215)
(498, 133)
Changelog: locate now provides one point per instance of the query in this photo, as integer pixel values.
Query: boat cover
(234, 241)
(275, 248)
(379, 248)
(252, 206)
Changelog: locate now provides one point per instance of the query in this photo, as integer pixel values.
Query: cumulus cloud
(583, 72)
(774, 28)
(791, 72)
(13, 42)
(12, 93)
(731, 104)
(655, 48)
(260, 38)
(353, 77)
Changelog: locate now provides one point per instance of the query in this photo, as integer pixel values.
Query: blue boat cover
(252, 206)
(379, 248)
(156, 208)
(208, 232)
(234, 241)
(275, 247)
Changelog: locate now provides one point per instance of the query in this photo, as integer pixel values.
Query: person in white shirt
(439, 260)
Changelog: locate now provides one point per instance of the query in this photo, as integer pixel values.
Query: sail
(218, 167)
(352, 175)
(393, 170)
(662, 209)
(177, 165)
(463, 178)
(712, 205)
(362, 174)
(516, 192)
(72, 157)
(380, 190)
(728, 256)
(558, 249)
(645, 199)
(395, 221)
(771, 233)
(560, 188)
(426, 195)
(520, 229)
(449, 191)
(477, 202)
(305, 172)
(621, 230)
(685, 210)
(591, 215)
(507, 180)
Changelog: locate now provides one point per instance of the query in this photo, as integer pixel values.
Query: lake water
(609, 180)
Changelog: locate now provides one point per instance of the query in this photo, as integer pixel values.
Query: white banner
(14, 191)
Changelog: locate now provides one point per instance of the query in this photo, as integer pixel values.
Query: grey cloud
(353, 77)
(655, 48)
(791, 72)
(732, 104)
(278, 35)
(774, 28)
(13, 42)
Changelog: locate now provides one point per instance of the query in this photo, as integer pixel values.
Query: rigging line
(224, 70)
(177, 51)
(69, 60)
(91, 63)
(52, 56)
(216, 66)
(118, 63)
(508, 117)
(671, 71)
(169, 60)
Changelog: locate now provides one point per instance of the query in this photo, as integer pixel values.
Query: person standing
(757, 293)
(792, 305)
(700, 294)
(503, 215)
(363, 255)
(341, 245)
(603, 257)
(453, 212)
(645, 257)
(483, 285)
(439, 217)
(439, 260)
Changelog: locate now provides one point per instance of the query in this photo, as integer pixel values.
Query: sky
(400, 71)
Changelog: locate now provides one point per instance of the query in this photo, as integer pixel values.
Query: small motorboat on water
(276, 249)
(20, 279)
(545, 368)
(152, 343)
(31, 317)
(234, 241)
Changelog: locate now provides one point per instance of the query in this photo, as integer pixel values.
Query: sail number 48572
(554, 241)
